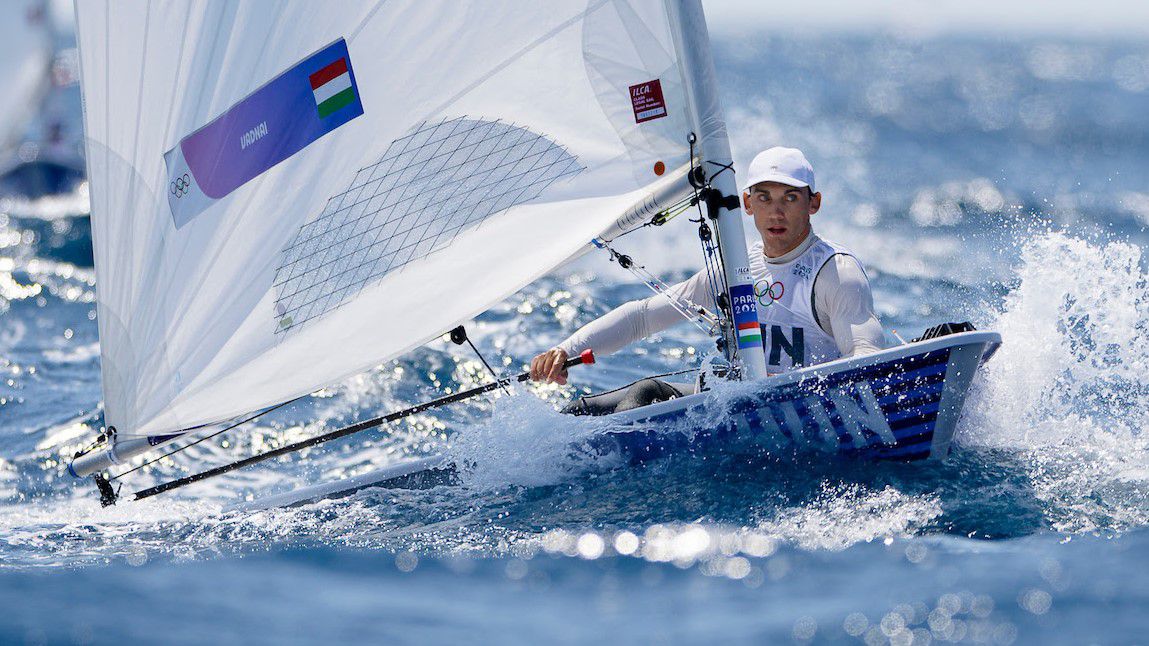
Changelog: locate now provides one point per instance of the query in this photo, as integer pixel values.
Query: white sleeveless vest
(791, 336)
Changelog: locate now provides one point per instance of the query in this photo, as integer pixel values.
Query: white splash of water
(844, 515)
(1069, 387)
(527, 443)
(1075, 363)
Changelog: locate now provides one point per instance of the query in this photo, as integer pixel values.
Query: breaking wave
(1069, 388)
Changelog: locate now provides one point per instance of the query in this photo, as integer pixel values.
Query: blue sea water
(1003, 181)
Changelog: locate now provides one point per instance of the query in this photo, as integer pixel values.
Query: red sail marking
(327, 73)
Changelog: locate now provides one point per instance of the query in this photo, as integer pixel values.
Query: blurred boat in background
(39, 153)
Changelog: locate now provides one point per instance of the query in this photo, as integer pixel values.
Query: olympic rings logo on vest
(179, 186)
(768, 293)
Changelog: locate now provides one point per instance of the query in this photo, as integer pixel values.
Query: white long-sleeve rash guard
(843, 306)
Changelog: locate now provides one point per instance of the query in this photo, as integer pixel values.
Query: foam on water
(525, 442)
(843, 515)
(1069, 387)
(1074, 369)
(1051, 437)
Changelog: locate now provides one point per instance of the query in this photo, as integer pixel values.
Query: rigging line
(709, 186)
(713, 273)
(206, 437)
(703, 227)
(689, 310)
(697, 201)
(88, 449)
(458, 336)
(717, 232)
(587, 357)
(626, 233)
(692, 311)
(491, 370)
(722, 168)
(717, 275)
(101, 437)
(676, 210)
(660, 376)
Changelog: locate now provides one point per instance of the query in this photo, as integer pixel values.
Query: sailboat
(286, 196)
(38, 155)
(25, 60)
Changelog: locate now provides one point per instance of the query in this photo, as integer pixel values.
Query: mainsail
(285, 194)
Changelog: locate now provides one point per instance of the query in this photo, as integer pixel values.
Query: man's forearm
(633, 321)
(610, 332)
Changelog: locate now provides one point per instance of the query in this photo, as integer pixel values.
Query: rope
(88, 449)
(494, 375)
(665, 374)
(206, 437)
(689, 310)
(711, 251)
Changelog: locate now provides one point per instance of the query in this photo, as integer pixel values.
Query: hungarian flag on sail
(262, 129)
(332, 88)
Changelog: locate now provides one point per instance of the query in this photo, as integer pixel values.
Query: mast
(743, 340)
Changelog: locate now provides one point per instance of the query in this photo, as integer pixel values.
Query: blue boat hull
(899, 404)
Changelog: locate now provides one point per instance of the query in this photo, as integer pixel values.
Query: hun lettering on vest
(791, 336)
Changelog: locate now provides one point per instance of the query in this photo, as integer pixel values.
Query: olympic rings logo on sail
(180, 185)
(769, 293)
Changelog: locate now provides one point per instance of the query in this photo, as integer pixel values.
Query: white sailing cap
(783, 165)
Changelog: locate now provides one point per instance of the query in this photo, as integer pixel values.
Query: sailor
(814, 300)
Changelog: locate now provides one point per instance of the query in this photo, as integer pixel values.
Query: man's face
(781, 214)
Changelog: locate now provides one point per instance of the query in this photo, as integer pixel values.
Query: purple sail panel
(281, 118)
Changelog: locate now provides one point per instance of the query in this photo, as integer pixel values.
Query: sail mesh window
(440, 179)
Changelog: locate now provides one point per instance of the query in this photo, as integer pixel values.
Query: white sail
(284, 194)
(25, 56)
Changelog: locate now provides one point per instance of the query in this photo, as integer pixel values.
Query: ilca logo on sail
(647, 101)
